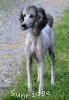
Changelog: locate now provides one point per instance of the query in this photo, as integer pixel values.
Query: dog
(40, 38)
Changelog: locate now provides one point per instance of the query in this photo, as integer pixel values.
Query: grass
(60, 91)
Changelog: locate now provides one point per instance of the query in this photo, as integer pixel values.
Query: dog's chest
(33, 44)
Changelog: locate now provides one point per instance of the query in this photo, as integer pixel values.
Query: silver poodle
(40, 38)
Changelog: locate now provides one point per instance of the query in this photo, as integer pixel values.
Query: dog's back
(48, 36)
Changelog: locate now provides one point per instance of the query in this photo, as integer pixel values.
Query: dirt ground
(12, 38)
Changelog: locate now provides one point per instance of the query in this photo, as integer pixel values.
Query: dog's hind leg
(52, 56)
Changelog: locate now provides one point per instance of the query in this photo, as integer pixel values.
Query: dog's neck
(35, 31)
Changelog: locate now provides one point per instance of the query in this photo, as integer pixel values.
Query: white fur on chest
(33, 43)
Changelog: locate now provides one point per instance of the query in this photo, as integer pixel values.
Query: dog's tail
(49, 20)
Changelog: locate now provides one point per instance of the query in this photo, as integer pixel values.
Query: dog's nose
(23, 25)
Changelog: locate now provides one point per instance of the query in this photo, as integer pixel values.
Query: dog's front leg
(41, 73)
(38, 79)
(29, 74)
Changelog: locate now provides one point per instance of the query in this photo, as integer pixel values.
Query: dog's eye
(24, 15)
(31, 16)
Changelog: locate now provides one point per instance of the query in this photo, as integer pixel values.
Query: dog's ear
(21, 17)
(41, 18)
(49, 20)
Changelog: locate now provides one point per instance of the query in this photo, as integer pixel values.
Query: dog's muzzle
(24, 26)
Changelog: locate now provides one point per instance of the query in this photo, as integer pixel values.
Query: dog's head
(32, 17)
(28, 17)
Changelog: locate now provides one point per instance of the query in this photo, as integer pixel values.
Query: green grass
(60, 91)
